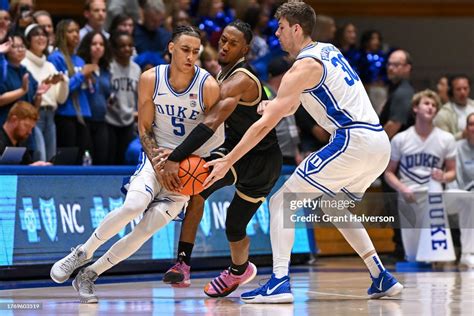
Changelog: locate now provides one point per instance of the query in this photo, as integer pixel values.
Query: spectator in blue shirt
(18, 83)
(151, 35)
(70, 117)
(94, 49)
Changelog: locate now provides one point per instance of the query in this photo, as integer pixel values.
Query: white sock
(151, 222)
(356, 235)
(282, 238)
(107, 261)
(374, 265)
(92, 244)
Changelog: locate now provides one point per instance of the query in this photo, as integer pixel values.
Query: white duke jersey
(177, 114)
(339, 99)
(418, 157)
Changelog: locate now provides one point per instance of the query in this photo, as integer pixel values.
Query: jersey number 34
(352, 76)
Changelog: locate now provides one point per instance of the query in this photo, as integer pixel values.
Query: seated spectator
(408, 171)
(122, 109)
(152, 36)
(17, 128)
(95, 14)
(94, 49)
(44, 71)
(71, 129)
(346, 41)
(44, 19)
(452, 116)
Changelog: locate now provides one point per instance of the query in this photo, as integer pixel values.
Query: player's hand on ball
(220, 168)
(161, 154)
(261, 107)
(171, 180)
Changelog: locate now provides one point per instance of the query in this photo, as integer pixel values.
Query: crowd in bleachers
(82, 77)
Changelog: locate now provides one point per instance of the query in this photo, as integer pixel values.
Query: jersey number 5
(178, 125)
(351, 74)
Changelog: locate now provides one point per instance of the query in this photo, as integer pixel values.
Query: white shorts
(144, 181)
(350, 163)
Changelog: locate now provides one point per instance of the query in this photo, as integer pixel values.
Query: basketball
(192, 175)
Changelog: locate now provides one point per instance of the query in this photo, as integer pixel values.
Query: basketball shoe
(84, 285)
(384, 285)
(178, 275)
(227, 282)
(62, 269)
(274, 291)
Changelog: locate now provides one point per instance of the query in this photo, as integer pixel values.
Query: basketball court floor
(333, 286)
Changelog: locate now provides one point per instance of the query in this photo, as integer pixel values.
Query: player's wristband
(198, 136)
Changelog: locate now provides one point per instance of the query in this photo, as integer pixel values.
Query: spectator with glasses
(44, 71)
(396, 115)
(18, 83)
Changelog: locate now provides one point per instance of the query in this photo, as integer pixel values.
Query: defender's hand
(220, 168)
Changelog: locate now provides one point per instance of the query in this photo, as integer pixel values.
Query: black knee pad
(239, 214)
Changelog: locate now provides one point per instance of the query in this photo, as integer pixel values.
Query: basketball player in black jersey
(254, 176)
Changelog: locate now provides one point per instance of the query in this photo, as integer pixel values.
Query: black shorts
(254, 175)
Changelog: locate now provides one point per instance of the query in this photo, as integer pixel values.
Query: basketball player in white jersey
(419, 153)
(359, 150)
(173, 99)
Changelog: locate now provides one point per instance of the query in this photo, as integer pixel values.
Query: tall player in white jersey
(358, 152)
(421, 152)
(172, 100)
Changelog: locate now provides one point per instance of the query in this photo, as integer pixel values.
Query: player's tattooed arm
(147, 139)
(146, 113)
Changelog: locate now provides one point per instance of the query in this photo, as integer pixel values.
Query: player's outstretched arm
(146, 113)
(302, 75)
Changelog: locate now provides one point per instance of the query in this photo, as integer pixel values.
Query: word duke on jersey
(178, 113)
